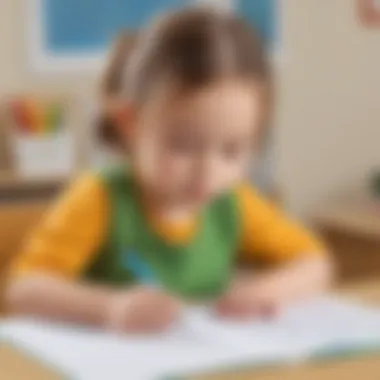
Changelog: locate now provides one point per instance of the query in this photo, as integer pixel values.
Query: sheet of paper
(199, 343)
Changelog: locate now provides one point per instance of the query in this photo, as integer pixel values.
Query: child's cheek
(229, 175)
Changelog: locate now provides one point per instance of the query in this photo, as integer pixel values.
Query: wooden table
(15, 366)
(351, 227)
(16, 222)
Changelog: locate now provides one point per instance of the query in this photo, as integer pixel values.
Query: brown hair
(193, 48)
(112, 83)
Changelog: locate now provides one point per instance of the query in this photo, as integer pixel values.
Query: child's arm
(44, 281)
(41, 279)
(300, 266)
(266, 294)
(136, 309)
(56, 298)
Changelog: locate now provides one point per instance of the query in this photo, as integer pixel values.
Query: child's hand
(249, 298)
(266, 295)
(141, 310)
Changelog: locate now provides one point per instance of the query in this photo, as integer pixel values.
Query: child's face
(190, 148)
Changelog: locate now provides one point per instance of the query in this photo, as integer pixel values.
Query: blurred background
(322, 158)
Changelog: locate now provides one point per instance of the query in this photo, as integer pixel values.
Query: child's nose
(207, 175)
(208, 167)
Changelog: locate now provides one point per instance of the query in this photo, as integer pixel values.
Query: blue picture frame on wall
(90, 25)
(263, 14)
(71, 31)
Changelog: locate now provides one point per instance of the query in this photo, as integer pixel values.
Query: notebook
(201, 343)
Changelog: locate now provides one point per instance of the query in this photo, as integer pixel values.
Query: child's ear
(122, 115)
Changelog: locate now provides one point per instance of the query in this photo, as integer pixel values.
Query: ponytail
(112, 86)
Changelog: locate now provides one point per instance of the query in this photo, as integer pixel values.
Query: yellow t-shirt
(69, 237)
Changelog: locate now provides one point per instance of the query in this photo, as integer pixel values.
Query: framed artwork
(72, 34)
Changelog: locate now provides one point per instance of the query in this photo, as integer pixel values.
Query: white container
(40, 156)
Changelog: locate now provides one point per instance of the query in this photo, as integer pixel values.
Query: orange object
(36, 110)
(369, 12)
(21, 116)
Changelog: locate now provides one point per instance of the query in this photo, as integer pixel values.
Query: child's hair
(112, 83)
(191, 48)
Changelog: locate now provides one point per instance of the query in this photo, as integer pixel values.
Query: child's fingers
(245, 305)
(232, 308)
(142, 323)
(270, 310)
(156, 314)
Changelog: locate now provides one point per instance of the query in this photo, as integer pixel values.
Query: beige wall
(15, 73)
(328, 134)
(329, 122)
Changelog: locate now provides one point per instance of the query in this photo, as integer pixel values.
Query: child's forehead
(220, 111)
(228, 96)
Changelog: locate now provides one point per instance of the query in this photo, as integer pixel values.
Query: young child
(126, 247)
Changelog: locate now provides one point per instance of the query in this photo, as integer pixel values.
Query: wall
(328, 135)
(329, 119)
(15, 73)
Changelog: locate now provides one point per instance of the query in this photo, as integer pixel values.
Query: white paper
(199, 343)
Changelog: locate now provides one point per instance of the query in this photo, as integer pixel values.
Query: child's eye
(233, 150)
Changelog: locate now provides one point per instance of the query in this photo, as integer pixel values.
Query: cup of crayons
(31, 117)
(41, 140)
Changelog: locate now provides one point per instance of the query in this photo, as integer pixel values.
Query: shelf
(10, 180)
(15, 189)
(358, 214)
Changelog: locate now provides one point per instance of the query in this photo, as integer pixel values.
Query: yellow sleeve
(267, 234)
(69, 236)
